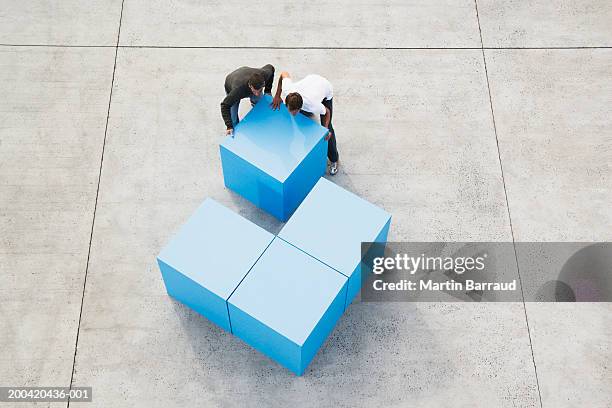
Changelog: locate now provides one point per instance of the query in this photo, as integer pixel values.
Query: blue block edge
(356, 279)
(303, 178)
(260, 188)
(294, 357)
(195, 296)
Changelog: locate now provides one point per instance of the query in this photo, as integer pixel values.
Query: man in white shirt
(312, 95)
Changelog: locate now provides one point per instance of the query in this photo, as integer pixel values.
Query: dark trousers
(332, 150)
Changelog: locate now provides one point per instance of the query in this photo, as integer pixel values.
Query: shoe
(333, 168)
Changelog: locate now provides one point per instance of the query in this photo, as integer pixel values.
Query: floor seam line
(211, 47)
(110, 97)
(501, 167)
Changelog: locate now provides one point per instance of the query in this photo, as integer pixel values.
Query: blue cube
(274, 159)
(287, 305)
(209, 256)
(331, 224)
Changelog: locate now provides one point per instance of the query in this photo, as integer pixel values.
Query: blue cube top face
(273, 140)
(216, 248)
(331, 223)
(288, 291)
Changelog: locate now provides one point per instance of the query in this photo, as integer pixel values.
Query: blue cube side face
(324, 328)
(304, 177)
(266, 340)
(287, 305)
(196, 297)
(354, 285)
(253, 184)
(361, 271)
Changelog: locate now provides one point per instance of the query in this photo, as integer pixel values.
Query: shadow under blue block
(274, 159)
(206, 260)
(287, 305)
(330, 225)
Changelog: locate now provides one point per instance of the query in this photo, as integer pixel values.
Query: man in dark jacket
(245, 82)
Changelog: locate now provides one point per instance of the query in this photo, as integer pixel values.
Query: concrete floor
(466, 121)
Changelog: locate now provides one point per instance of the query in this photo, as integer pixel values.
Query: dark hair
(257, 80)
(294, 101)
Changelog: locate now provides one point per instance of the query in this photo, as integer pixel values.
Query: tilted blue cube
(206, 260)
(331, 223)
(274, 159)
(287, 305)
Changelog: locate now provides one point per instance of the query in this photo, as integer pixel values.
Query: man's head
(257, 83)
(294, 102)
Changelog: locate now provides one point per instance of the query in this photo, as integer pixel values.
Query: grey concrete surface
(552, 110)
(53, 108)
(162, 159)
(545, 23)
(572, 343)
(269, 23)
(416, 136)
(65, 22)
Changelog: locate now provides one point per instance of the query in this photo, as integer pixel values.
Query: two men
(311, 96)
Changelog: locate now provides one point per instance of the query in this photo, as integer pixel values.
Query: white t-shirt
(313, 89)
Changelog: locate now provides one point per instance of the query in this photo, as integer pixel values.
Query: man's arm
(276, 102)
(269, 79)
(326, 120)
(226, 105)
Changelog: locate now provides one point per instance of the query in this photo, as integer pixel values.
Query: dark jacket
(237, 88)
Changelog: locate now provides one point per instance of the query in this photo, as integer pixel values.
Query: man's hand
(229, 132)
(276, 102)
(328, 135)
